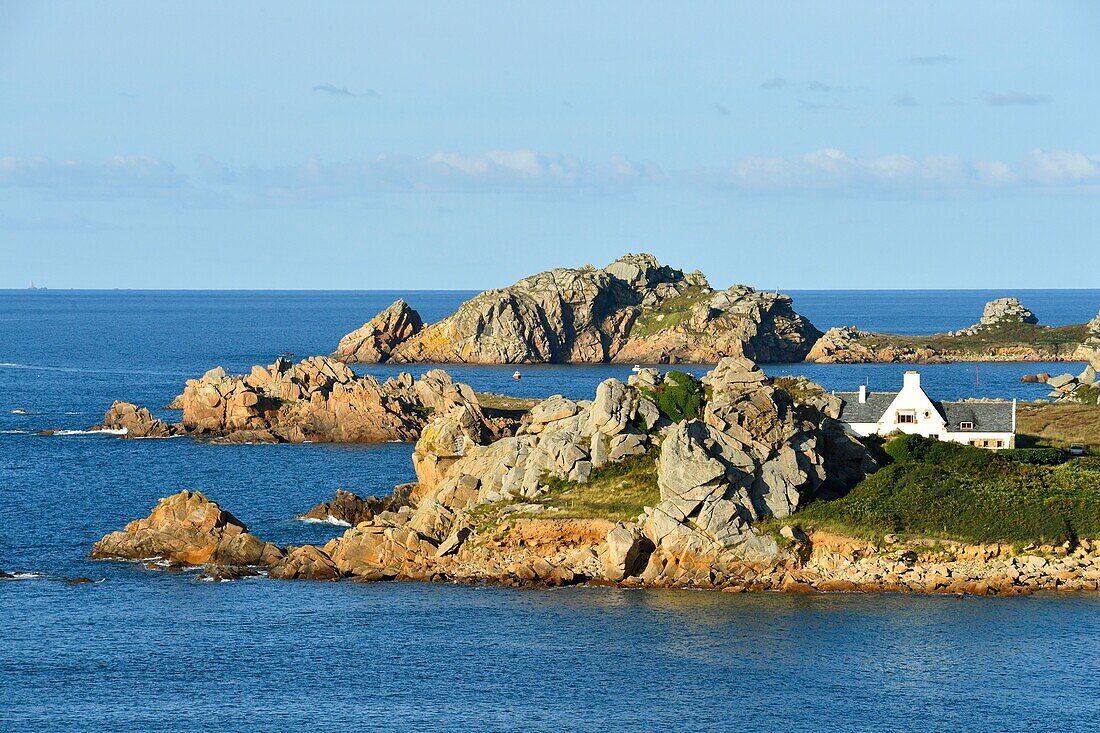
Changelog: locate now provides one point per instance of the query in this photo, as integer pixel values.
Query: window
(966, 425)
(906, 417)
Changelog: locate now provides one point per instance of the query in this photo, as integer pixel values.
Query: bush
(1035, 456)
(679, 397)
(971, 494)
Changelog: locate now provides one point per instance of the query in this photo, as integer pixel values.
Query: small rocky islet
(637, 310)
(726, 475)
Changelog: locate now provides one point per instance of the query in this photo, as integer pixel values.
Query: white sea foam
(15, 432)
(328, 520)
(105, 431)
(27, 576)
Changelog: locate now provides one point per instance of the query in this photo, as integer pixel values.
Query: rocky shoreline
(187, 530)
(707, 468)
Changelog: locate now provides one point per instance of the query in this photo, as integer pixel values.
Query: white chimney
(862, 393)
(911, 380)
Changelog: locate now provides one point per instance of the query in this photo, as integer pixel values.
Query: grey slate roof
(870, 411)
(988, 417)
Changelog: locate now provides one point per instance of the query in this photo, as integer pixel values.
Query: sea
(142, 650)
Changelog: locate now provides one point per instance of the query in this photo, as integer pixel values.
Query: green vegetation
(1088, 394)
(1052, 339)
(1036, 456)
(679, 397)
(668, 314)
(424, 412)
(954, 491)
(1056, 425)
(617, 491)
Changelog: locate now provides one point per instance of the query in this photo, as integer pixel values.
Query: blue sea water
(143, 650)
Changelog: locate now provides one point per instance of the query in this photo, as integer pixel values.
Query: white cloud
(519, 170)
(834, 170)
(1007, 99)
(117, 175)
(827, 170)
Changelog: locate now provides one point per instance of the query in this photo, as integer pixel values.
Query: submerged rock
(187, 529)
(635, 309)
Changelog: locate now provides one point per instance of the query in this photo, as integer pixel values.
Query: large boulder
(1006, 310)
(756, 452)
(374, 340)
(136, 422)
(635, 309)
(349, 509)
(188, 529)
(305, 563)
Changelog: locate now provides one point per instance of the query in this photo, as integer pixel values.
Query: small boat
(636, 368)
(19, 411)
(517, 375)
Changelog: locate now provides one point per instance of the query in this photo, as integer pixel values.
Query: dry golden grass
(1056, 425)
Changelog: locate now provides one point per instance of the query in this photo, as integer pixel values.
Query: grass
(952, 491)
(618, 491)
(670, 313)
(506, 403)
(1055, 339)
(1056, 425)
(800, 389)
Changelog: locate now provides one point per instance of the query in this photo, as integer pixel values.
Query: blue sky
(452, 145)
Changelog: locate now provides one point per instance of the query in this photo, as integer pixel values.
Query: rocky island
(737, 481)
(633, 310)
(317, 399)
(1007, 331)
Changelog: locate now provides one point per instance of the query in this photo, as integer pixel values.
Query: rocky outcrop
(348, 509)
(305, 563)
(188, 529)
(754, 453)
(318, 399)
(1006, 310)
(1007, 331)
(1083, 388)
(375, 340)
(841, 344)
(635, 309)
(137, 422)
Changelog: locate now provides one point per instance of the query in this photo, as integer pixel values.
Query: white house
(984, 423)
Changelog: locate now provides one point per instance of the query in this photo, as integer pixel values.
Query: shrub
(679, 397)
(952, 490)
(1035, 456)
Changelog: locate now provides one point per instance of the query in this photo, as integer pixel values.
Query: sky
(420, 145)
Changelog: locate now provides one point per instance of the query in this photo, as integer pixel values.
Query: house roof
(870, 411)
(987, 416)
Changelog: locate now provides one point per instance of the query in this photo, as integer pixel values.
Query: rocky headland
(658, 482)
(1007, 331)
(633, 310)
(317, 399)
